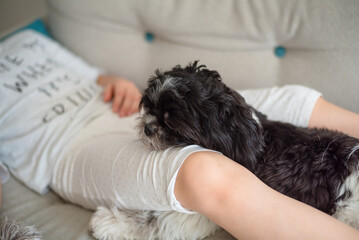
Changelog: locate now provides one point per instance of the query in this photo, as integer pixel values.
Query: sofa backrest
(252, 43)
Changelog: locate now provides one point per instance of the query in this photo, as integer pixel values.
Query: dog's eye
(151, 112)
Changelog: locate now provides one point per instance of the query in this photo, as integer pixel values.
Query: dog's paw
(110, 224)
(104, 225)
(175, 225)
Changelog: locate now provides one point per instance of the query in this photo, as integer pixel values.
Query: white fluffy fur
(348, 209)
(15, 230)
(119, 224)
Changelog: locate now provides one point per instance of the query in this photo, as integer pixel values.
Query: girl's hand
(125, 95)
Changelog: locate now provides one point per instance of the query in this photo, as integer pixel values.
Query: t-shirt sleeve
(290, 103)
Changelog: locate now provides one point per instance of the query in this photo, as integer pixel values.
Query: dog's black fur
(195, 107)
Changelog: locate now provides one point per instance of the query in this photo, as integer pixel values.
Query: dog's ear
(248, 136)
(233, 130)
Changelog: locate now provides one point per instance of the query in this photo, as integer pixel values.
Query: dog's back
(310, 165)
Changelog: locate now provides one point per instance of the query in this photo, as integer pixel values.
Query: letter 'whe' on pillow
(40, 105)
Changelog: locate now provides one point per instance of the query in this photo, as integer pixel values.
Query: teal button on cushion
(150, 37)
(280, 51)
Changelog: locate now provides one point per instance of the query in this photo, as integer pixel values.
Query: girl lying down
(65, 125)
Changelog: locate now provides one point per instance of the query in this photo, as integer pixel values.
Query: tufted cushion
(131, 38)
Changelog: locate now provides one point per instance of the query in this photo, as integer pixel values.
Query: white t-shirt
(47, 95)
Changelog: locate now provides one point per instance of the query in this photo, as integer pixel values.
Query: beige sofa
(252, 43)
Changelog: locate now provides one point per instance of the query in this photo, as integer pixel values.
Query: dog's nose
(149, 130)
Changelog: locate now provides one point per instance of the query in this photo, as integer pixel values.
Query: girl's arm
(235, 199)
(328, 115)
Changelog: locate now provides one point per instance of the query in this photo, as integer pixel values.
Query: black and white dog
(192, 105)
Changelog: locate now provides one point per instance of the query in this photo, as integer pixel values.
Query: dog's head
(192, 105)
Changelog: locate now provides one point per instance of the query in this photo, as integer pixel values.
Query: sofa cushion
(54, 218)
(37, 25)
(131, 38)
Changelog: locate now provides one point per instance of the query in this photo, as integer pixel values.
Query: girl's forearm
(328, 115)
